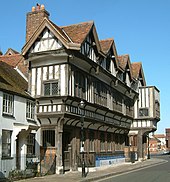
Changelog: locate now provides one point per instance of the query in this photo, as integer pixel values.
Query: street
(157, 173)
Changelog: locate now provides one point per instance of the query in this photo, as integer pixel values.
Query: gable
(88, 48)
(46, 41)
(48, 36)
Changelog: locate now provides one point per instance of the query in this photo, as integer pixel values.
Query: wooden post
(58, 145)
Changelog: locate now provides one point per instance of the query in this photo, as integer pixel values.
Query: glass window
(30, 110)
(8, 104)
(31, 144)
(6, 143)
(51, 88)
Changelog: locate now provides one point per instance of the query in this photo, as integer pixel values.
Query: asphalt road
(157, 173)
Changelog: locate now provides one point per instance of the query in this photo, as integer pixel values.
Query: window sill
(31, 120)
(8, 115)
(7, 158)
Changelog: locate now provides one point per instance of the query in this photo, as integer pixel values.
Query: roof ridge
(90, 21)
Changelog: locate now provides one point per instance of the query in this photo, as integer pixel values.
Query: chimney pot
(38, 6)
(33, 9)
(42, 7)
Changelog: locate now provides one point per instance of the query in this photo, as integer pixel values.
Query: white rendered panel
(33, 81)
(39, 81)
(63, 80)
(147, 97)
(50, 72)
(143, 97)
(44, 73)
(57, 73)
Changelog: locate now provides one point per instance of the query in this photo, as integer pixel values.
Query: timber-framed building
(69, 65)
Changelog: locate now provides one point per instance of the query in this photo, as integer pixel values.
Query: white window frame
(30, 110)
(31, 144)
(8, 104)
(6, 143)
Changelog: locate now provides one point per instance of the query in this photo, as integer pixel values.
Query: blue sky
(140, 28)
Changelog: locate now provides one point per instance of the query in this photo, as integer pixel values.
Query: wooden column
(58, 145)
(140, 145)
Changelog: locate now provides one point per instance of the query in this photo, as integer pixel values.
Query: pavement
(75, 176)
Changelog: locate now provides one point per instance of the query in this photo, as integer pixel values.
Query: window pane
(6, 143)
(30, 109)
(31, 144)
(8, 104)
(47, 89)
(55, 88)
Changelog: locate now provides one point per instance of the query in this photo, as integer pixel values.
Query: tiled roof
(122, 61)
(60, 31)
(12, 81)
(136, 67)
(15, 60)
(106, 44)
(11, 51)
(78, 32)
(159, 135)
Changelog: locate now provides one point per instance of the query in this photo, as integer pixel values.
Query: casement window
(143, 112)
(91, 140)
(49, 138)
(30, 110)
(51, 88)
(8, 104)
(79, 85)
(31, 144)
(6, 143)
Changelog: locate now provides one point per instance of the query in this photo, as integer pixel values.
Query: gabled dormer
(109, 49)
(46, 41)
(125, 65)
(138, 74)
(48, 36)
(90, 47)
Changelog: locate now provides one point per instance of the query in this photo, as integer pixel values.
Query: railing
(61, 108)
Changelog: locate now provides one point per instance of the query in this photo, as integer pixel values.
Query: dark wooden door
(66, 151)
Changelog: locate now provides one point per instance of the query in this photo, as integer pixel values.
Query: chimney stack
(34, 19)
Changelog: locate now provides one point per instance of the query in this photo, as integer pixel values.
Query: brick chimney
(34, 19)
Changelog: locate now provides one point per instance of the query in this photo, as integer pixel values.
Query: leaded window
(8, 104)
(6, 143)
(51, 88)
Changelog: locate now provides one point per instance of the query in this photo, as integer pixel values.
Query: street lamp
(82, 138)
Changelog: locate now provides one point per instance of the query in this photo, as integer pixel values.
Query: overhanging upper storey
(149, 103)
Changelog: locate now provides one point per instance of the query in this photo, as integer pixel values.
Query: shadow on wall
(2, 178)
